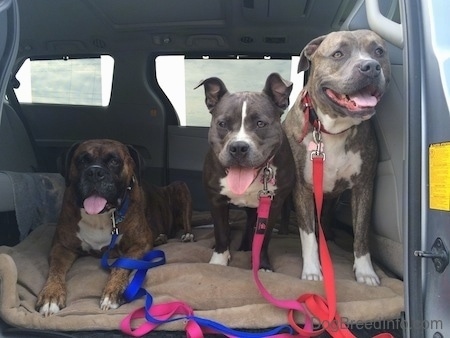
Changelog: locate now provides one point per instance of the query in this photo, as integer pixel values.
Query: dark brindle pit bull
(103, 181)
(246, 136)
(349, 72)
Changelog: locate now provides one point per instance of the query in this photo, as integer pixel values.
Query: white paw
(49, 309)
(364, 271)
(220, 258)
(187, 237)
(106, 304)
(311, 271)
(311, 263)
(265, 270)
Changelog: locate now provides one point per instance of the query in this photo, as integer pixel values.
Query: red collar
(310, 113)
(311, 116)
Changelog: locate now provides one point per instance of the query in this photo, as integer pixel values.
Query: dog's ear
(65, 163)
(278, 89)
(214, 90)
(137, 158)
(307, 52)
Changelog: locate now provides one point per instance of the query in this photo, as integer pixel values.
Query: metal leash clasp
(317, 138)
(115, 229)
(267, 176)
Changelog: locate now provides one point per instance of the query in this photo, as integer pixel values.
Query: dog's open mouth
(364, 99)
(240, 178)
(95, 204)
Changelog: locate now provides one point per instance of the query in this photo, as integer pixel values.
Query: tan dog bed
(225, 294)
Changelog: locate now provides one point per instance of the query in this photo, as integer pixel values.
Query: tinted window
(66, 81)
(178, 77)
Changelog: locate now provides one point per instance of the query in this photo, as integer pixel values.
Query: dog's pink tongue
(364, 100)
(94, 204)
(240, 178)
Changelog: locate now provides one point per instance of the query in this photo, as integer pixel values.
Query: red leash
(321, 308)
(324, 309)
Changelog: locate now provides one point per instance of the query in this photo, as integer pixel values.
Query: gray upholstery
(387, 226)
(387, 236)
(16, 154)
(15, 146)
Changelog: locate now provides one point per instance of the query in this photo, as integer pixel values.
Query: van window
(178, 76)
(77, 81)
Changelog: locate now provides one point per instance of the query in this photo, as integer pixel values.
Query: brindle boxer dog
(349, 72)
(103, 183)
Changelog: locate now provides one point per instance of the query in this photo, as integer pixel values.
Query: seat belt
(14, 102)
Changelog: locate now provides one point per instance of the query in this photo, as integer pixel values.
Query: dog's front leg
(304, 207)
(221, 254)
(247, 237)
(115, 286)
(52, 297)
(361, 216)
(133, 245)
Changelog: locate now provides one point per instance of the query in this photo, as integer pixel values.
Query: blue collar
(119, 214)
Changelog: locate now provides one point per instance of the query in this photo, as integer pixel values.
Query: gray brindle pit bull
(349, 72)
(245, 138)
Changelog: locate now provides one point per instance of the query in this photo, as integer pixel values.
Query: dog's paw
(49, 309)
(110, 301)
(265, 270)
(112, 295)
(311, 272)
(51, 300)
(311, 263)
(188, 237)
(220, 258)
(364, 271)
(161, 239)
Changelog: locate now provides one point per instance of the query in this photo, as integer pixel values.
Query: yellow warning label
(439, 162)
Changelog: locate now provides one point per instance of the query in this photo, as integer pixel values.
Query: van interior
(84, 69)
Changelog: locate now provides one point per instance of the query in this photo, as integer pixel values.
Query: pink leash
(263, 216)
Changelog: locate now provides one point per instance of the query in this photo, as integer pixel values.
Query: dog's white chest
(95, 230)
(339, 164)
(250, 197)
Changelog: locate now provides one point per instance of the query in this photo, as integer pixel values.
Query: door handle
(438, 254)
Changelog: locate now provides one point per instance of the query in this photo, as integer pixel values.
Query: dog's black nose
(239, 149)
(370, 68)
(96, 173)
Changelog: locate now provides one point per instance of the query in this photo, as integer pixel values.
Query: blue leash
(134, 290)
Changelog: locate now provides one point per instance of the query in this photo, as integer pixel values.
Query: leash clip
(267, 176)
(317, 138)
(115, 229)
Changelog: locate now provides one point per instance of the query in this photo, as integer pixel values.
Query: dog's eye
(222, 124)
(114, 162)
(261, 124)
(84, 160)
(338, 54)
(379, 51)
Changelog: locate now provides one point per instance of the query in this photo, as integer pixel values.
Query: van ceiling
(50, 27)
